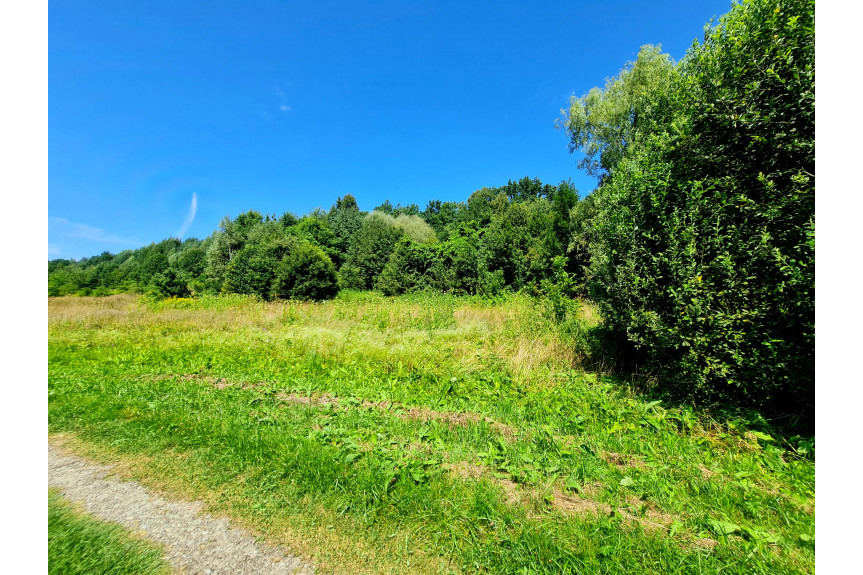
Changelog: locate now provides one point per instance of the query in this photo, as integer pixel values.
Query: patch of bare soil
(475, 471)
(622, 461)
(637, 510)
(648, 515)
(706, 543)
(465, 470)
(461, 419)
(579, 505)
(324, 399)
(706, 473)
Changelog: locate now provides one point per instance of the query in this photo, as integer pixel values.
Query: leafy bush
(406, 269)
(458, 263)
(370, 250)
(703, 242)
(169, 283)
(559, 293)
(306, 273)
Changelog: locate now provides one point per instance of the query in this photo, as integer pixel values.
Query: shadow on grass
(605, 352)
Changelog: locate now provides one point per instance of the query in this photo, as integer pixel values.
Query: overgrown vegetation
(698, 246)
(501, 237)
(702, 240)
(78, 544)
(468, 404)
(451, 432)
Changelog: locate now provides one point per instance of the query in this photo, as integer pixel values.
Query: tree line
(501, 237)
(698, 245)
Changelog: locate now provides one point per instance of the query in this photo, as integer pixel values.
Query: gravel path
(195, 544)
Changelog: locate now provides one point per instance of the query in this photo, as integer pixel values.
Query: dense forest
(698, 245)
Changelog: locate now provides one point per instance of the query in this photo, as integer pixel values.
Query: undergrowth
(457, 434)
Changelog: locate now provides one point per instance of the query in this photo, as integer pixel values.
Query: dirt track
(194, 543)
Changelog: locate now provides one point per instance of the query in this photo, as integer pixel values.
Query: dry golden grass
(464, 337)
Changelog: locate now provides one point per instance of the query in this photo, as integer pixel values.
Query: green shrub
(406, 268)
(559, 292)
(306, 273)
(370, 250)
(703, 243)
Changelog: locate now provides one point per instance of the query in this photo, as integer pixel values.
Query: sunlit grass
(465, 426)
(79, 544)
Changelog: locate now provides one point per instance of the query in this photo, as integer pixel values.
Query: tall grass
(465, 426)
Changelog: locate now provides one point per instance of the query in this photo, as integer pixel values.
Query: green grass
(451, 433)
(80, 544)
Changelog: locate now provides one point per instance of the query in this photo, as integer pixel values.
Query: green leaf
(652, 421)
(762, 436)
(723, 528)
(627, 482)
(652, 404)
(572, 484)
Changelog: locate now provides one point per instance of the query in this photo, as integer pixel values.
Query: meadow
(423, 433)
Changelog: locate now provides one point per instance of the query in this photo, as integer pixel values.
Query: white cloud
(190, 217)
(284, 107)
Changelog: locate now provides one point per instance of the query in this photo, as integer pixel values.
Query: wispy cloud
(190, 217)
(283, 106)
(85, 232)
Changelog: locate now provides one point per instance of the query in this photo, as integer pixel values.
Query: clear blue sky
(284, 106)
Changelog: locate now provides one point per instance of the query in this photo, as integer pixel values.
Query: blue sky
(166, 116)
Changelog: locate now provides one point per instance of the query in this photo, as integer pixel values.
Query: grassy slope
(448, 433)
(80, 544)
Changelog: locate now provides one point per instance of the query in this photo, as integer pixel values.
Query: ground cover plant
(80, 544)
(425, 432)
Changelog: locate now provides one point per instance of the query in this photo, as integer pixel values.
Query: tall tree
(227, 242)
(604, 122)
(345, 219)
(370, 250)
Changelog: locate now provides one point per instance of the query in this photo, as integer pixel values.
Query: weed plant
(448, 434)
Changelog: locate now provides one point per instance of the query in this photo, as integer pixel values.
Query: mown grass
(79, 544)
(452, 433)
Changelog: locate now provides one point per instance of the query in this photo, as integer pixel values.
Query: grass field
(81, 545)
(423, 434)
